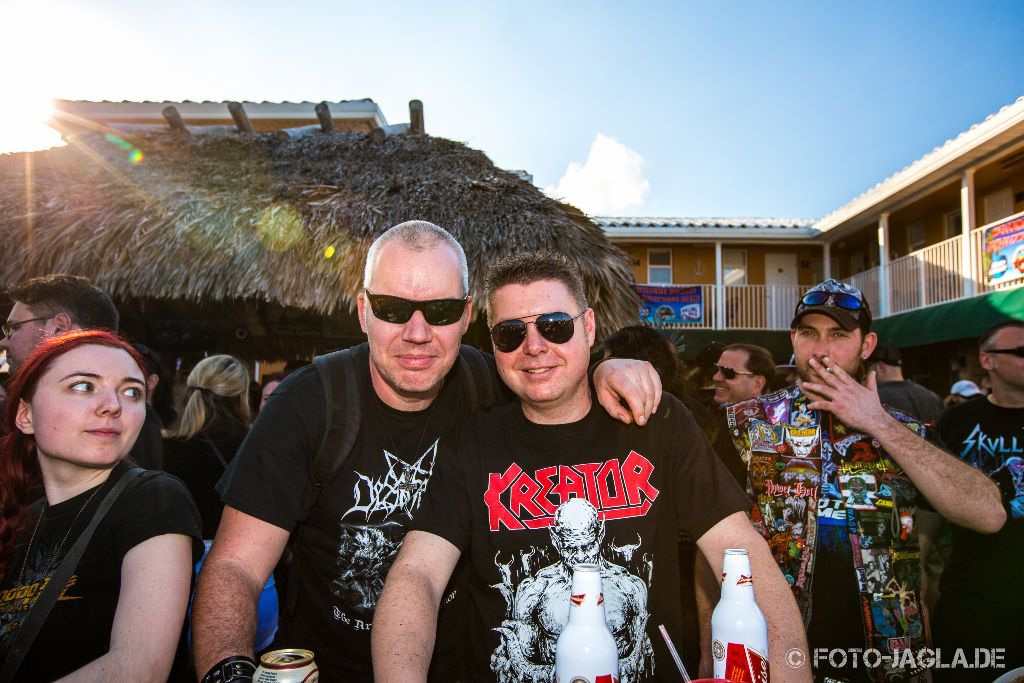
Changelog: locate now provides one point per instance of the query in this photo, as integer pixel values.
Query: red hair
(20, 478)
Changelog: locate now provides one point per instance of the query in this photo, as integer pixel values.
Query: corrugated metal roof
(771, 228)
(99, 110)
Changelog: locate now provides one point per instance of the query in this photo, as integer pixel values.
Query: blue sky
(683, 109)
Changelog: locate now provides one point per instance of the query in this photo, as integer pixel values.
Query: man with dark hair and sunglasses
(414, 309)
(742, 372)
(528, 490)
(981, 595)
(840, 511)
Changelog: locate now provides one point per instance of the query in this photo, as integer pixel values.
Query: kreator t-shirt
(350, 534)
(526, 502)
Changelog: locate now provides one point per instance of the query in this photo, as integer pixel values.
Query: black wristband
(237, 668)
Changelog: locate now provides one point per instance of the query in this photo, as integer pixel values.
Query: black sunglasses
(557, 328)
(819, 297)
(730, 373)
(395, 309)
(1017, 351)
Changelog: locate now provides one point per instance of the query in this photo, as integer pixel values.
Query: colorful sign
(1004, 251)
(668, 304)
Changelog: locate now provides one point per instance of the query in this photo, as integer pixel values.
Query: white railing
(925, 277)
(870, 284)
(745, 307)
(760, 307)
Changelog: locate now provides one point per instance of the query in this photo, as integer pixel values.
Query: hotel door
(780, 278)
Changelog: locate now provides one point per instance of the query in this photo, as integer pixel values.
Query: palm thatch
(231, 224)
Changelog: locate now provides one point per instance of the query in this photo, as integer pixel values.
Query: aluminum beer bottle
(586, 651)
(739, 632)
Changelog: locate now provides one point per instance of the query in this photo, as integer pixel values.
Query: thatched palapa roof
(241, 226)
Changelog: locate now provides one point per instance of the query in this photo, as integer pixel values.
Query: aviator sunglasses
(557, 328)
(1016, 351)
(395, 309)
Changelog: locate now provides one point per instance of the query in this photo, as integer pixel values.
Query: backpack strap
(477, 373)
(339, 378)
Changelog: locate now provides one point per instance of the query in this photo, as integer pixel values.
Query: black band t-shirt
(525, 502)
(77, 630)
(350, 533)
(981, 596)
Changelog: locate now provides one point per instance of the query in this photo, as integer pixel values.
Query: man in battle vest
(837, 481)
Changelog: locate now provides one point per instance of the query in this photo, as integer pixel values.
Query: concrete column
(826, 261)
(883, 264)
(967, 225)
(719, 289)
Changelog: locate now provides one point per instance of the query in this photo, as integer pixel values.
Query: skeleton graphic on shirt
(539, 605)
(371, 531)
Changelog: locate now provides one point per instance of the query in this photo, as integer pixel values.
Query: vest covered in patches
(819, 486)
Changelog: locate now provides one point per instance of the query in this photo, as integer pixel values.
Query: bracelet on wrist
(235, 669)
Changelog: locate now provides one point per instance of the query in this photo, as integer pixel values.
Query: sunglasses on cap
(730, 373)
(846, 301)
(557, 328)
(1016, 351)
(395, 309)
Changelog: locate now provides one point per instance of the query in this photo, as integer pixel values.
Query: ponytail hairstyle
(20, 478)
(218, 389)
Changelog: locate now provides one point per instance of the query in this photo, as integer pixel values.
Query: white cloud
(611, 181)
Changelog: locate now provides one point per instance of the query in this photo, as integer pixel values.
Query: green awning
(963, 319)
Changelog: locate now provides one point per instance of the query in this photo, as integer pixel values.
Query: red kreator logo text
(518, 500)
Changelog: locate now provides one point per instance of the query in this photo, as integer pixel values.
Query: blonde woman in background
(203, 442)
(211, 427)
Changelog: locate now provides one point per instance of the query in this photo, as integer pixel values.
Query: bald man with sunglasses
(414, 310)
(981, 596)
(837, 482)
(525, 491)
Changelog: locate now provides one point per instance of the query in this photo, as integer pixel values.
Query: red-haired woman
(73, 412)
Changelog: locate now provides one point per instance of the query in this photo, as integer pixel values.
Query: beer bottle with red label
(739, 631)
(586, 651)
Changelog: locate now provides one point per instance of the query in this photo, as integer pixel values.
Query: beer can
(287, 666)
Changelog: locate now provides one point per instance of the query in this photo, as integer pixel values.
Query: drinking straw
(675, 655)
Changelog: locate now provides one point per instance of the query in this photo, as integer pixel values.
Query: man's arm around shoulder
(241, 559)
(774, 597)
(405, 619)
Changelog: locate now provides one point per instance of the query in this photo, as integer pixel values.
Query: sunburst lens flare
(136, 156)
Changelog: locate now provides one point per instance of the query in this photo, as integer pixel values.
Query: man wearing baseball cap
(903, 394)
(964, 390)
(854, 558)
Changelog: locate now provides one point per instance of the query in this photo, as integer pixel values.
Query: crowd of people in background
(930, 488)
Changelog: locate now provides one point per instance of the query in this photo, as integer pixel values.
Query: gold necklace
(56, 553)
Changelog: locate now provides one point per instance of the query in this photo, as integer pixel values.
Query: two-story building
(937, 248)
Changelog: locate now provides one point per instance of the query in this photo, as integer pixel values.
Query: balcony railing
(926, 277)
